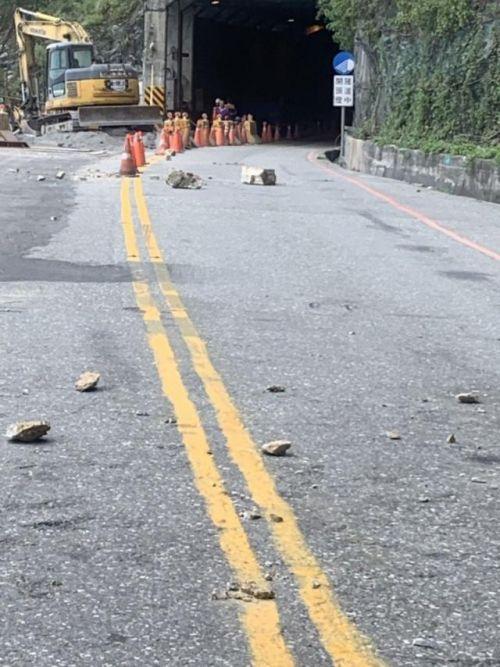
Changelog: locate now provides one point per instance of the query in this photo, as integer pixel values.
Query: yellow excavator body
(90, 92)
(77, 87)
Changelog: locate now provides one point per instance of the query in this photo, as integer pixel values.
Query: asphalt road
(126, 538)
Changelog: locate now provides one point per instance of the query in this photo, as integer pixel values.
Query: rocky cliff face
(411, 83)
(427, 72)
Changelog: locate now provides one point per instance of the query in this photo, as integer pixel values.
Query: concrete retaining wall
(453, 174)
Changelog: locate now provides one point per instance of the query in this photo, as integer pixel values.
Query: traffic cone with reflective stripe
(138, 149)
(198, 137)
(176, 143)
(127, 165)
(163, 142)
(219, 135)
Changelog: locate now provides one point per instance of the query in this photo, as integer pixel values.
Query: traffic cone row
(134, 154)
(270, 134)
(170, 140)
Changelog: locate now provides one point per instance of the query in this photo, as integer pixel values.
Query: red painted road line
(413, 213)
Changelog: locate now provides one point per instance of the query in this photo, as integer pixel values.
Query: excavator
(78, 90)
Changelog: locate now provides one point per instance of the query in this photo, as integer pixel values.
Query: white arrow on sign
(346, 67)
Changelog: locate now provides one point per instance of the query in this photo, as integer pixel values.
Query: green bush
(436, 65)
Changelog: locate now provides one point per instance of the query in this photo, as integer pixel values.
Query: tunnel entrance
(271, 58)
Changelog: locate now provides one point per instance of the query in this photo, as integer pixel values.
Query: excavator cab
(61, 58)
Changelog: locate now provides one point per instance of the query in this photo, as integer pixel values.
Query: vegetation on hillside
(435, 71)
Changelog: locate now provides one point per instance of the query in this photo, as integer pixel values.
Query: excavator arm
(32, 26)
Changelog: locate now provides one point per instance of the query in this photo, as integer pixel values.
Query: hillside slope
(428, 72)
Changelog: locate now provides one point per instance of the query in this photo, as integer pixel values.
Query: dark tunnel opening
(272, 59)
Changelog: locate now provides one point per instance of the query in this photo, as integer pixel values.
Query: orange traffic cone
(219, 136)
(205, 136)
(127, 165)
(198, 137)
(264, 132)
(237, 134)
(289, 135)
(176, 143)
(269, 133)
(138, 150)
(243, 133)
(277, 133)
(163, 142)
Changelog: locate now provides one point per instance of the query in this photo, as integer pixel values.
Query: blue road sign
(343, 63)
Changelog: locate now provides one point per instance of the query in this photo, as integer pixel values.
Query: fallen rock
(183, 180)
(27, 431)
(468, 397)
(258, 176)
(253, 514)
(393, 435)
(424, 643)
(246, 592)
(276, 389)
(172, 421)
(275, 518)
(255, 591)
(40, 178)
(451, 439)
(316, 584)
(276, 448)
(60, 175)
(87, 381)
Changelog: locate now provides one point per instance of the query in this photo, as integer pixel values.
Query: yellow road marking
(260, 618)
(131, 247)
(340, 637)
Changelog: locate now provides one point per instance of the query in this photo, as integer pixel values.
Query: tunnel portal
(271, 58)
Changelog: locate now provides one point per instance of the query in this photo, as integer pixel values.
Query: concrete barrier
(453, 174)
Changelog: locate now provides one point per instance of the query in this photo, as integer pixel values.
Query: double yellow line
(260, 618)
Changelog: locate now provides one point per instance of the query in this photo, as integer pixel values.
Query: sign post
(343, 89)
